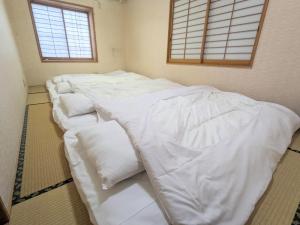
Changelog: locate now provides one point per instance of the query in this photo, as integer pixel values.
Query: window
(216, 32)
(64, 31)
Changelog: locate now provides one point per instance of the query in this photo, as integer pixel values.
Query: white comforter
(210, 155)
(121, 87)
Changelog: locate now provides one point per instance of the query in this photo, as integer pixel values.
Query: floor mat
(61, 206)
(38, 98)
(44, 162)
(278, 206)
(36, 89)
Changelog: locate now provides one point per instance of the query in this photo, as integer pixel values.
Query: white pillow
(63, 87)
(76, 104)
(109, 149)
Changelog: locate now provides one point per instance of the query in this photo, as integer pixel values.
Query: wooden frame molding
(73, 7)
(4, 216)
(213, 62)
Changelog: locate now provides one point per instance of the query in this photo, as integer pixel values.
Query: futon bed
(64, 121)
(68, 105)
(209, 156)
(132, 202)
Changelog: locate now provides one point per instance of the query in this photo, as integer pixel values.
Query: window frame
(73, 7)
(212, 62)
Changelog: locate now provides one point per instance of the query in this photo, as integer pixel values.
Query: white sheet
(210, 155)
(67, 77)
(92, 80)
(115, 81)
(130, 202)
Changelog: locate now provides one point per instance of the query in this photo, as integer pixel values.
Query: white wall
(12, 106)
(109, 35)
(274, 77)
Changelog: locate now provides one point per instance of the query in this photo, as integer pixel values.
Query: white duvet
(89, 82)
(122, 87)
(210, 155)
(84, 76)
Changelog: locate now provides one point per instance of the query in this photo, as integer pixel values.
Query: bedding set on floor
(181, 155)
(71, 108)
(62, 96)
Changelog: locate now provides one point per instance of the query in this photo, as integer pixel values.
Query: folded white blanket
(76, 104)
(209, 154)
(109, 149)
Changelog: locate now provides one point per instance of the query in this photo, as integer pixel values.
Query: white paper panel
(231, 32)
(194, 40)
(50, 29)
(244, 42)
(197, 56)
(232, 29)
(193, 45)
(214, 56)
(238, 56)
(179, 46)
(177, 56)
(177, 52)
(188, 29)
(180, 2)
(62, 33)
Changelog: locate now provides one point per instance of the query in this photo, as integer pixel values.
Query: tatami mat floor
(46, 195)
(37, 98)
(44, 190)
(37, 95)
(37, 89)
(278, 205)
(45, 160)
(61, 206)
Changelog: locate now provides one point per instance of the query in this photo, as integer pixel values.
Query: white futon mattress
(131, 202)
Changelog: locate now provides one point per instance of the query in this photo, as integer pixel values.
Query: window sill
(67, 60)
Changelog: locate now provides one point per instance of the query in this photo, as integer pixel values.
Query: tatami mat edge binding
(19, 173)
(45, 190)
(61, 206)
